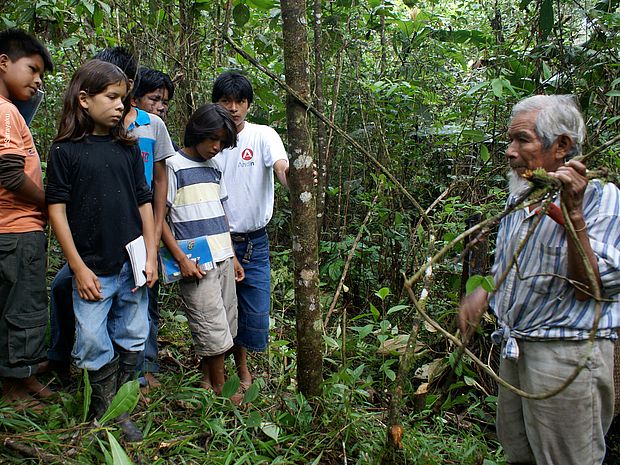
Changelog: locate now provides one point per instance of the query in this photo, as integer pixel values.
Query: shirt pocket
(549, 274)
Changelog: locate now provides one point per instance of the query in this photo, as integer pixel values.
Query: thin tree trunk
(321, 134)
(303, 201)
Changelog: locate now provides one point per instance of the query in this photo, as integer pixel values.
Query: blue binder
(196, 249)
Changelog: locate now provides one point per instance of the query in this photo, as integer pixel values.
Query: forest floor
(184, 424)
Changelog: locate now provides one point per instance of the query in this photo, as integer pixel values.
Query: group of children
(113, 175)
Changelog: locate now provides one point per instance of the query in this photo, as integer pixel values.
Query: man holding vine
(548, 270)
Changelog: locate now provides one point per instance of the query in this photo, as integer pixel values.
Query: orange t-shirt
(16, 214)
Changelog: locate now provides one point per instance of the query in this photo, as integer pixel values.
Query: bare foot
(34, 387)
(151, 381)
(237, 397)
(14, 392)
(205, 383)
(43, 367)
(245, 377)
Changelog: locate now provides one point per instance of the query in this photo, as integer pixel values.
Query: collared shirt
(535, 302)
(153, 139)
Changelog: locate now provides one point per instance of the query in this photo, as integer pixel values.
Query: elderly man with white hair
(544, 307)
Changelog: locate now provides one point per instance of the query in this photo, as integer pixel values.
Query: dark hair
(124, 59)
(93, 77)
(17, 44)
(232, 85)
(206, 121)
(151, 80)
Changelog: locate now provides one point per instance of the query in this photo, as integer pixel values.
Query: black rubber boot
(127, 372)
(103, 385)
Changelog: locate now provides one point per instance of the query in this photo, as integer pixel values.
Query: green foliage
(124, 401)
(476, 281)
(119, 457)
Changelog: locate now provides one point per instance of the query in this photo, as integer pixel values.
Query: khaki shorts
(211, 309)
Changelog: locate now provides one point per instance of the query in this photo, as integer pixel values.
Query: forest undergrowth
(275, 424)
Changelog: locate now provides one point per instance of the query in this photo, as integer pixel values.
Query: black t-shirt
(102, 183)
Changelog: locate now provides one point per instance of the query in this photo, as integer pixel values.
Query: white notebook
(136, 250)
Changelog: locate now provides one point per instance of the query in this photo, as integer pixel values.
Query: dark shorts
(254, 292)
(23, 303)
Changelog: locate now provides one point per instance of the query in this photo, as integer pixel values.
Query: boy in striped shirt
(196, 208)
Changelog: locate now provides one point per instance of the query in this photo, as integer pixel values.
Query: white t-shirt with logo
(248, 174)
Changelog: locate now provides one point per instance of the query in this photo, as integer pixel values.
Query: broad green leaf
(265, 5)
(390, 374)
(473, 283)
(484, 153)
(488, 283)
(67, 43)
(119, 455)
(406, 27)
(231, 386)
(546, 70)
(469, 380)
(89, 6)
(497, 86)
(477, 87)
(546, 17)
(613, 93)
(507, 85)
(180, 318)
(363, 331)
(271, 430)
(88, 391)
(358, 371)
(106, 453)
(241, 14)
(383, 293)
(397, 308)
(375, 312)
(253, 420)
(124, 401)
(105, 7)
(331, 342)
(98, 17)
(615, 82)
(251, 394)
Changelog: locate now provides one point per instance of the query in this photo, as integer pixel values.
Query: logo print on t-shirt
(247, 154)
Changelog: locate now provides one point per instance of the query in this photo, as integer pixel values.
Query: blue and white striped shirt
(538, 304)
(196, 194)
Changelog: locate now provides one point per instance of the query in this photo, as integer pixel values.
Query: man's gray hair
(557, 115)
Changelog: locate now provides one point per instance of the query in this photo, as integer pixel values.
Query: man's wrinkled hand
(471, 310)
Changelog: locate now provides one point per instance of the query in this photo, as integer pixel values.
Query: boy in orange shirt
(23, 295)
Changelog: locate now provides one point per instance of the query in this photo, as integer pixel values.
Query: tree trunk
(321, 133)
(303, 202)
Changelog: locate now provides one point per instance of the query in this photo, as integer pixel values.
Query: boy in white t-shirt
(248, 171)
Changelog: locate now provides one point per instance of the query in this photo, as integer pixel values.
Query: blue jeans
(147, 360)
(62, 321)
(254, 292)
(120, 320)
